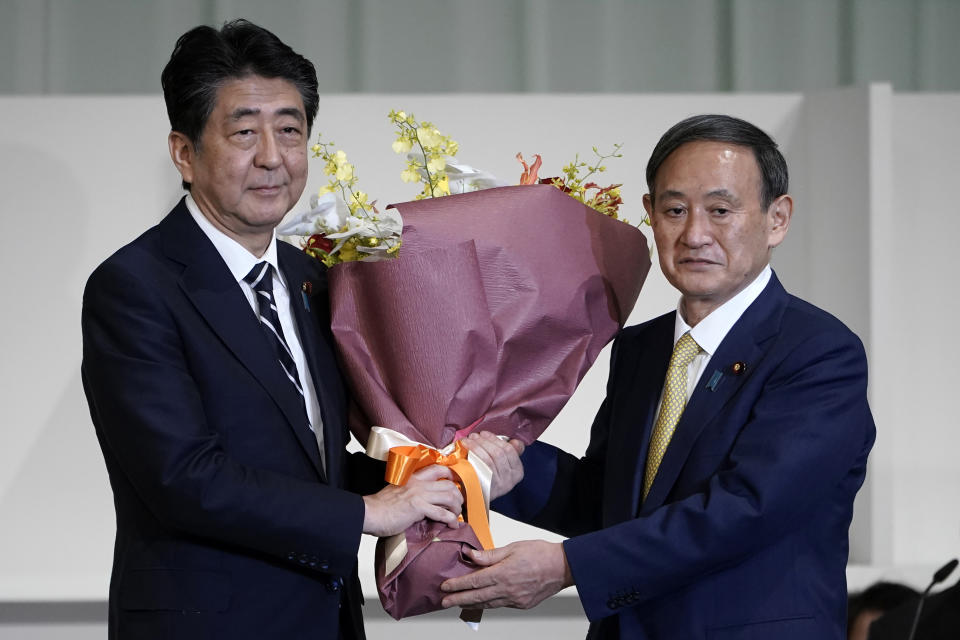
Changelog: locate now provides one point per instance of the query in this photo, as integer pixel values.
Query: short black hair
(204, 59)
(880, 596)
(723, 128)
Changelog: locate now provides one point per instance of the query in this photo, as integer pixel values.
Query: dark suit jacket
(744, 532)
(227, 526)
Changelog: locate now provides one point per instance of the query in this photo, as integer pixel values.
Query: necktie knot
(684, 351)
(260, 277)
(260, 280)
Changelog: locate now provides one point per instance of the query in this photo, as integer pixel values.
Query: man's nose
(268, 153)
(696, 229)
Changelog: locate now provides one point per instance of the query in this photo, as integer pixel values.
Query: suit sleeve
(153, 428)
(559, 492)
(365, 475)
(808, 430)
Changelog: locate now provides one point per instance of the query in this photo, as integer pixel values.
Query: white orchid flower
(327, 212)
(463, 178)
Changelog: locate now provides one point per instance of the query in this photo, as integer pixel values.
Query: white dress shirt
(240, 261)
(711, 331)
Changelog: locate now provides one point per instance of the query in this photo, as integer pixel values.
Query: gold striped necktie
(674, 401)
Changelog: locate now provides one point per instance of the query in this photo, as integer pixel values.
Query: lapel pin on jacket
(738, 367)
(306, 289)
(714, 380)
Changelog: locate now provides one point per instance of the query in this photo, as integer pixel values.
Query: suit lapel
(209, 285)
(650, 351)
(744, 343)
(310, 316)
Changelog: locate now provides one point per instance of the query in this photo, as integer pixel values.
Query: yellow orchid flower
(429, 137)
(348, 252)
(360, 197)
(442, 187)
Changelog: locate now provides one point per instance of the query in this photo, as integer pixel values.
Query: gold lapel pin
(738, 367)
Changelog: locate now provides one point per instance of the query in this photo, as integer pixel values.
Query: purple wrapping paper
(499, 302)
(435, 552)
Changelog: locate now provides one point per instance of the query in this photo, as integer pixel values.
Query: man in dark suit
(715, 496)
(209, 369)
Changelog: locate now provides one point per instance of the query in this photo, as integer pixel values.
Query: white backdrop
(871, 241)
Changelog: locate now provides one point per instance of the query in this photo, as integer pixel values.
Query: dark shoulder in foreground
(805, 319)
(796, 320)
(656, 324)
(140, 257)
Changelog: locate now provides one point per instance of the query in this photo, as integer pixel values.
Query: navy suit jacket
(227, 524)
(744, 533)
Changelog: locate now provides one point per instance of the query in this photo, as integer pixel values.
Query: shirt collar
(711, 331)
(239, 260)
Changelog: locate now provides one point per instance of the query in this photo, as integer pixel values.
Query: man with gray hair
(715, 496)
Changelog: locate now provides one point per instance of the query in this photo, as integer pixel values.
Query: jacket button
(303, 558)
(324, 566)
(292, 556)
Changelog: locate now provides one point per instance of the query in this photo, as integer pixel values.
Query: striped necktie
(260, 280)
(674, 402)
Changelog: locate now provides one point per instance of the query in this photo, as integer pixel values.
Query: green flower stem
(600, 159)
(425, 163)
(426, 169)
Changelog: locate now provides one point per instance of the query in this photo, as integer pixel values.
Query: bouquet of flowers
(488, 317)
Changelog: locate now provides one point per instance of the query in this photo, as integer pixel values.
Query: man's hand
(430, 493)
(503, 458)
(520, 575)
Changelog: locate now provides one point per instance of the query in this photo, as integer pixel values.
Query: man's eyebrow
(670, 193)
(725, 194)
(242, 112)
(292, 111)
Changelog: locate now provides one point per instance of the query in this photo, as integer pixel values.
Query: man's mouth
(266, 189)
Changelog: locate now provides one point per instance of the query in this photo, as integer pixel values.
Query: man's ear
(778, 219)
(182, 152)
(648, 206)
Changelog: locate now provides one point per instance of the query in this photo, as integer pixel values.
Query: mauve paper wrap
(499, 302)
(435, 553)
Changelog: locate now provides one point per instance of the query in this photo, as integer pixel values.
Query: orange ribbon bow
(402, 462)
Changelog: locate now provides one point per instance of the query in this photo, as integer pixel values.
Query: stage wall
(872, 173)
